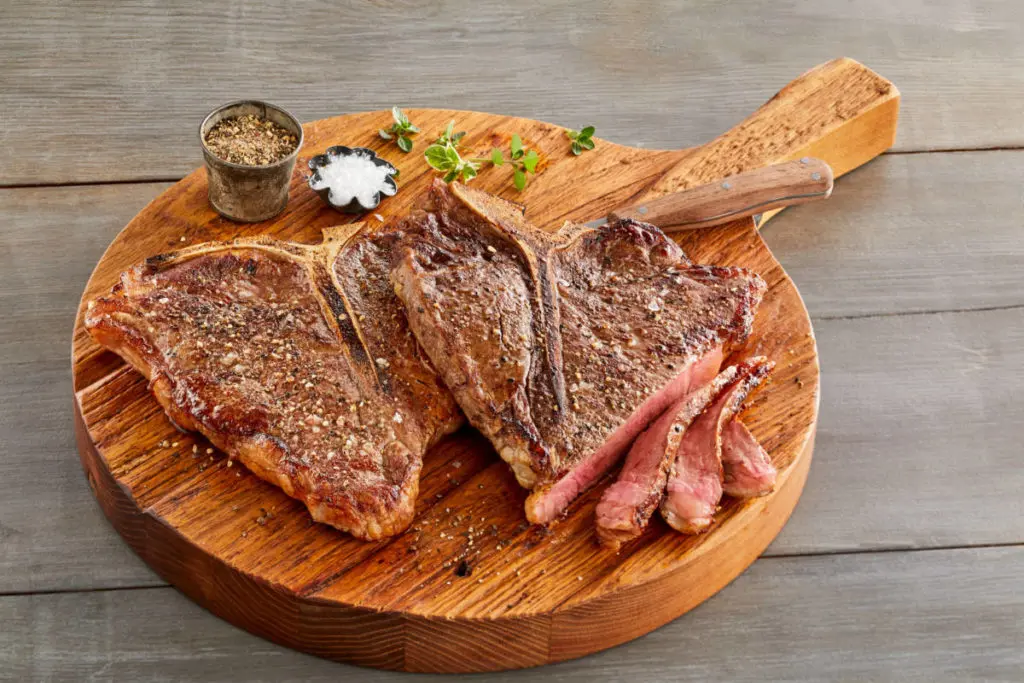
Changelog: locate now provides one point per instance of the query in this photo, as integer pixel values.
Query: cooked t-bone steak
(749, 471)
(562, 348)
(295, 359)
(627, 505)
(694, 485)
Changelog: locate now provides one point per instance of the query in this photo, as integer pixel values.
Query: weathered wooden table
(903, 560)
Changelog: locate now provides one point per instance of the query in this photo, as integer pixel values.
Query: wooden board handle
(746, 194)
(840, 112)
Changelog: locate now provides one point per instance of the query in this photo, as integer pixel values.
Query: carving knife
(745, 194)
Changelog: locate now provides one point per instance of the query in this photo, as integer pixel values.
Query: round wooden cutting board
(443, 596)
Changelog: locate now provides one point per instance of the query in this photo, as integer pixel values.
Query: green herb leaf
(449, 136)
(452, 156)
(580, 139)
(436, 157)
(519, 179)
(444, 156)
(530, 161)
(400, 130)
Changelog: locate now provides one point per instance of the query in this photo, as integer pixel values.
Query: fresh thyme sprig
(581, 139)
(522, 160)
(450, 136)
(444, 156)
(400, 130)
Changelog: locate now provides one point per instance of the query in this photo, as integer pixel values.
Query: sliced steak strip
(562, 348)
(749, 471)
(295, 359)
(694, 486)
(550, 499)
(627, 505)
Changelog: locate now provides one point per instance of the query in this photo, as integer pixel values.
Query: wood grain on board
(533, 597)
(116, 90)
(861, 617)
(378, 603)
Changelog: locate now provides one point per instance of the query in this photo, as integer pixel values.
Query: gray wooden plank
(919, 439)
(927, 616)
(52, 533)
(917, 232)
(114, 90)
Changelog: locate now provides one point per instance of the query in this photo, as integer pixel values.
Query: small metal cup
(249, 193)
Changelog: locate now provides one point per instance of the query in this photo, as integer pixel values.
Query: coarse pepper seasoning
(250, 140)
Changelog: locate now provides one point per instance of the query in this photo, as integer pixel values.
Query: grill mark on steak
(627, 324)
(258, 345)
(694, 486)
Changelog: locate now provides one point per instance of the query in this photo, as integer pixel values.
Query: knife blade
(745, 194)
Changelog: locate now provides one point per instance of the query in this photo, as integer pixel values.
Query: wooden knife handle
(840, 112)
(738, 196)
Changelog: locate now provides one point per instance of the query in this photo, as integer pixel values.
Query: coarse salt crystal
(353, 176)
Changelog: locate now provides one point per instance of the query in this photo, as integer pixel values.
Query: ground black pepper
(250, 140)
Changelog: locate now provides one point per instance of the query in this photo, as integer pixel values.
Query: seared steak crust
(295, 359)
(562, 348)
